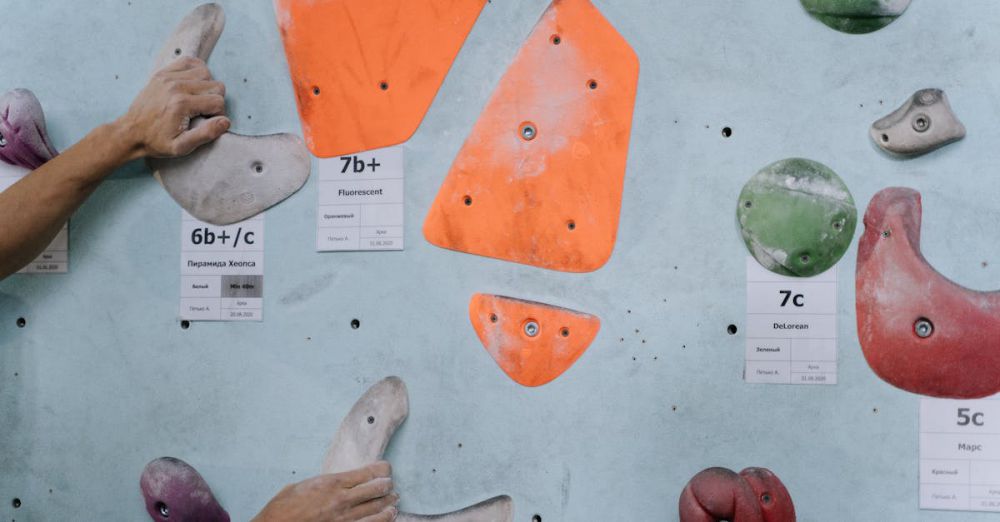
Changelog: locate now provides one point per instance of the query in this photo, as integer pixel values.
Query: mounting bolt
(921, 122)
(528, 132)
(531, 328)
(923, 328)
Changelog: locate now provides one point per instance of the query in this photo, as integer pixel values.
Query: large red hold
(920, 331)
(752, 495)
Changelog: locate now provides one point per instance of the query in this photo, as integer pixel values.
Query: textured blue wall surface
(102, 379)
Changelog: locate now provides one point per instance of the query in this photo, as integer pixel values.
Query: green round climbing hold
(856, 16)
(796, 217)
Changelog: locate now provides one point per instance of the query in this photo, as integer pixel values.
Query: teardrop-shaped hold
(719, 494)
(235, 177)
(539, 179)
(365, 433)
(856, 16)
(23, 139)
(533, 343)
(175, 492)
(796, 217)
(924, 123)
(366, 72)
(920, 331)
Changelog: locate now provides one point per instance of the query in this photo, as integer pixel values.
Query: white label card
(791, 327)
(55, 258)
(222, 270)
(960, 454)
(361, 201)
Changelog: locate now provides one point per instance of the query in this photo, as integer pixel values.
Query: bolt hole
(371, 420)
(384, 86)
(804, 259)
(536, 518)
(16, 503)
(163, 510)
(592, 84)
(838, 225)
(315, 91)
(355, 324)
(766, 498)
(571, 225)
(467, 200)
(258, 167)
(564, 332)
(21, 322)
(555, 39)
(732, 329)
(185, 324)
(177, 51)
(885, 138)
(493, 318)
(747, 204)
(886, 233)
(727, 132)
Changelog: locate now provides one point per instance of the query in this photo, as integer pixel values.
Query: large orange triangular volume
(366, 71)
(533, 343)
(539, 179)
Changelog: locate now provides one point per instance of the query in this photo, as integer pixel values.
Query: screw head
(164, 511)
(528, 131)
(531, 328)
(923, 328)
(921, 122)
(3, 141)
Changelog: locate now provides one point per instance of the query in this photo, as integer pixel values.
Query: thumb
(201, 132)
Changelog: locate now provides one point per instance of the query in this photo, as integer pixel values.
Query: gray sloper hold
(924, 123)
(235, 177)
(364, 435)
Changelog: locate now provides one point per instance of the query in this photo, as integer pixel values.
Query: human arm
(362, 495)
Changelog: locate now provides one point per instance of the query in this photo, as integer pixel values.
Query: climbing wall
(97, 376)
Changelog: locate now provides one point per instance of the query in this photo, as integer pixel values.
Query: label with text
(222, 270)
(791, 328)
(361, 201)
(960, 454)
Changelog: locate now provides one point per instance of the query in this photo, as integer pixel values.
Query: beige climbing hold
(235, 177)
(924, 123)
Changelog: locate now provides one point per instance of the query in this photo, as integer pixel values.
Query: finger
(193, 70)
(376, 488)
(208, 131)
(201, 87)
(203, 105)
(182, 63)
(387, 515)
(352, 478)
(373, 508)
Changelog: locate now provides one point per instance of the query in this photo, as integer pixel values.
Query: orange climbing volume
(539, 179)
(533, 343)
(366, 71)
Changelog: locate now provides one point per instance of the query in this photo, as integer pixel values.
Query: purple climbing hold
(176, 492)
(23, 140)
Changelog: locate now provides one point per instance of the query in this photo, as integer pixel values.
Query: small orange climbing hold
(539, 179)
(365, 72)
(533, 343)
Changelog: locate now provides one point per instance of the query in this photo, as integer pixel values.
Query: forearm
(33, 210)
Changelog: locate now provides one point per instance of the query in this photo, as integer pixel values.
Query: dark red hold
(753, 495)
(176, 492)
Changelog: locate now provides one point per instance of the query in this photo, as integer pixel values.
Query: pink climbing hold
(175, 491)
(23, 141)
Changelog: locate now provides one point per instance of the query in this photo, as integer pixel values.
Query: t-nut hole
(384, 86)
(493, 318)
(885, 138)
(528, 131)
(536, 518)
(555, 39)
(727, 132)
(592, 84)
(315, 90)
(564, 332)
(732, 329)
(467, 200)
(371, 420)
(16, 503)
(21, 322)
(185, 324)
(571, 225)
(355, 324)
